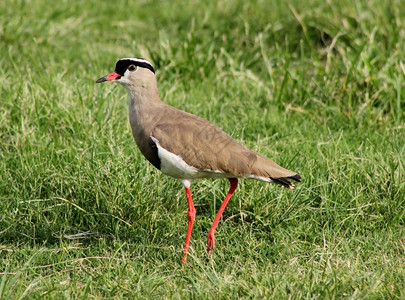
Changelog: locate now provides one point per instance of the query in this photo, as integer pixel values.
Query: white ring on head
(137, 59)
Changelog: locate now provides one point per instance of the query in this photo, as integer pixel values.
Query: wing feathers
(206, 147)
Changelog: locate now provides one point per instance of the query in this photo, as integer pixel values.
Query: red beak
(109, 77)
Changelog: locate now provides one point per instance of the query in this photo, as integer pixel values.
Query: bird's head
(132, 72)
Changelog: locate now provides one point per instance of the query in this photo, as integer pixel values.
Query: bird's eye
(132, 68)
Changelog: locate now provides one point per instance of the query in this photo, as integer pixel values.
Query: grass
(317, 86)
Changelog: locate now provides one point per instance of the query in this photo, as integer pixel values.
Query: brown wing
(206, 147)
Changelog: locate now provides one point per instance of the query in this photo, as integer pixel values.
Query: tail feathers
(285, 180)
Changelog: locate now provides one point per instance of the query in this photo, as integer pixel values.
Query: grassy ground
(318, 86)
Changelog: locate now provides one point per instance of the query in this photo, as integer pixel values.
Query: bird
(187, 147)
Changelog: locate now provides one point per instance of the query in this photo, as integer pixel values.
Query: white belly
(173, 165)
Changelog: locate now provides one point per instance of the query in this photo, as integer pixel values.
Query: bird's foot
(210, 242)
(184, 260)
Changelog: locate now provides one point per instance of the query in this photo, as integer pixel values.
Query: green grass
(318, 86)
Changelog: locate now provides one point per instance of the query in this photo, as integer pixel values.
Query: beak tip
(102, 79)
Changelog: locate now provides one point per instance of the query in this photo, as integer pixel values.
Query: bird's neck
(143, 94)
(144, 107)
(141, 99)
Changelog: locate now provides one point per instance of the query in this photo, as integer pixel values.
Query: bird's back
(208, 148)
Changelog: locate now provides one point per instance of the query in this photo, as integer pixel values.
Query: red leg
(211, 238)
(191, 216)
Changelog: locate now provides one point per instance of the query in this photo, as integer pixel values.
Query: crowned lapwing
(185, 146)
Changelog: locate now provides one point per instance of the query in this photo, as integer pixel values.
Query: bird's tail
(266, 168)
(285, 180)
